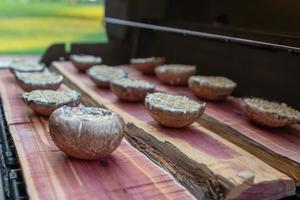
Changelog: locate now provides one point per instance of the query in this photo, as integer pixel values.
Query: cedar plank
(49, 174)
(225, 164)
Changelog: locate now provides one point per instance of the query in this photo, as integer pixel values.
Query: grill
(217, 37)
(259, 53)
(13, 186)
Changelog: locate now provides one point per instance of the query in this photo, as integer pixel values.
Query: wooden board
(15, 111)
(280, 148)
(49, 174)
(211, 162)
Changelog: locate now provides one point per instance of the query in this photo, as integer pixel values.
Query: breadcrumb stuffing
(51, 96)
(280, 109)
(174, 103)
(107, 73)
(39, 78)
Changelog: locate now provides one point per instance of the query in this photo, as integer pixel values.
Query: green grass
(31, 28)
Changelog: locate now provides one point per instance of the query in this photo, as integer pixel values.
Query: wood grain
(194, 152)
(50, 174)
(280, 148)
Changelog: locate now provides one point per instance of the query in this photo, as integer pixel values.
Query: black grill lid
(255, 43)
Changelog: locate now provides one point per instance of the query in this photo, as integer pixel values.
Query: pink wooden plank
(49, 174)
(284, 141)
(195, 137)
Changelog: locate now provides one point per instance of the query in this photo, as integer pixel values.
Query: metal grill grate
(12, 182)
